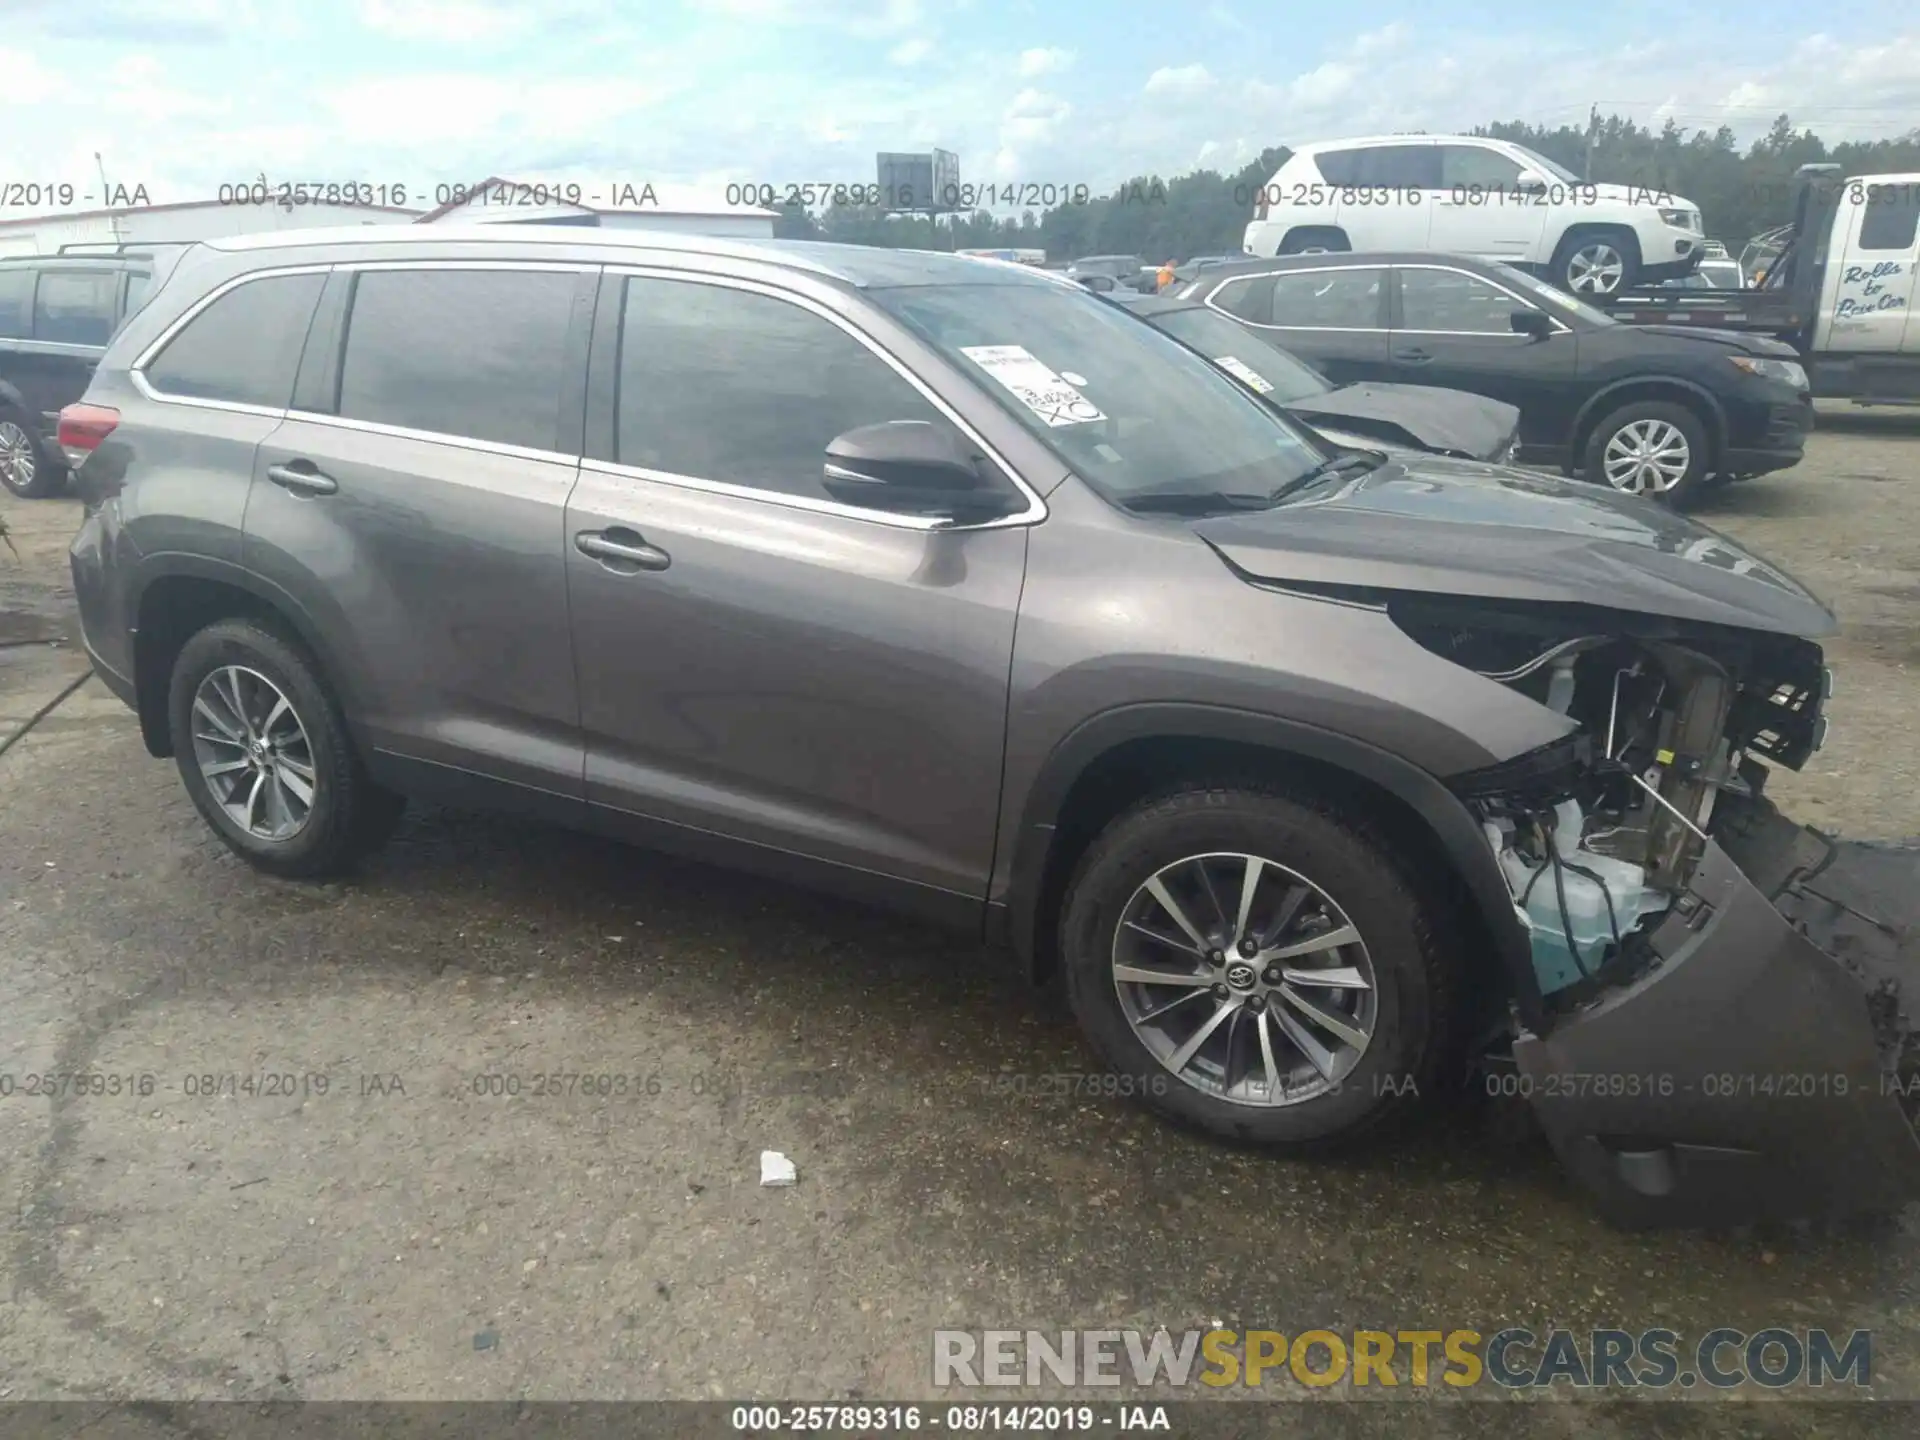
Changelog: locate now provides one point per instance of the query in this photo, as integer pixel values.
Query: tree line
(1206, 212)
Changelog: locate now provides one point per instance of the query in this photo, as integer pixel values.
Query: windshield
(1242, 354)
(1552, 299)
(1130, 410)
(1559, 172)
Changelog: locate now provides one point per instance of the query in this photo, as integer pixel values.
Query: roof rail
(109, 247)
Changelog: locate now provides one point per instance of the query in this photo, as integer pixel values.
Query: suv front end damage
(1727, 1025)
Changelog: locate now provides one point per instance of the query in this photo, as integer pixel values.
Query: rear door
(1868, 300)
(1335, 316)
(1386, 195)
(69, 317)
(413, 502)
(1454, 329)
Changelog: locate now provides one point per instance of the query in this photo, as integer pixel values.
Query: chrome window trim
(1381, 266)
(1033, 514)
(20, 346)
(430, 437)
(137, 371)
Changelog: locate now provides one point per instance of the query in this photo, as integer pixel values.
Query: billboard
(922, 181)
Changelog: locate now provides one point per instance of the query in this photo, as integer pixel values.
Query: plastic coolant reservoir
(1620, 881)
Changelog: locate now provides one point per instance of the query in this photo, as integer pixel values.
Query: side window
(1400, 167)
(16, 302)
(244, 348)
(1448, 300)
(1892, 218)
(75, 307)
(1328, 299)
(733, 386)
(1478, 168)
(1338, 167)
(477, 353)
(1247, 299)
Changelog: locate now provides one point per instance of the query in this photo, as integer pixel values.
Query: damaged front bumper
(1763, 1067)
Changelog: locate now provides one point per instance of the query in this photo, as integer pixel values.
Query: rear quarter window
(75, 307)
(244, 348)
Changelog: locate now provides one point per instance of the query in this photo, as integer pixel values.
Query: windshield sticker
(1035, 386)
(1244, 372)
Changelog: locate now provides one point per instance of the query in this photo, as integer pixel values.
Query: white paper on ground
(1240, 370)
(1034, 385)
(776, 1169)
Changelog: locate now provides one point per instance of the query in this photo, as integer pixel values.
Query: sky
(180, 96)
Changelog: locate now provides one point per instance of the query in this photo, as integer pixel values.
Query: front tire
(1653, 448)
(1258, 966)
(26, 468)
(266, 757)
(1597, 264)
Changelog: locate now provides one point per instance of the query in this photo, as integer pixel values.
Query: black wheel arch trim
(1451, 824)
(1597, 404)
(169, 565)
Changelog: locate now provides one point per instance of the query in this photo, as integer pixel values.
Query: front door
(761, 665)
(1480, 208)
(1869, 300)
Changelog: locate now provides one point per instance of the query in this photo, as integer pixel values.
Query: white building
(607, 205)
(194, 220)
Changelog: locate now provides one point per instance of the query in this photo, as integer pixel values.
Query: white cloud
(1386, 39)
(911, 52)
(1044, 60)
(444, 20)
(1179, 80)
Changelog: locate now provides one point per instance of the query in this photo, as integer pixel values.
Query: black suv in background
(57, 313)
(1655, 410)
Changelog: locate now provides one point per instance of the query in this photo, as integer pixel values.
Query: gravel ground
(406, 1235)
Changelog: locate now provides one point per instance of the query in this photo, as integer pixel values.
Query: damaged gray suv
(1323, 779)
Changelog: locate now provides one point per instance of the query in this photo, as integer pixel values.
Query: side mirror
(1535, 323)
(1530, 185)
(913, 467)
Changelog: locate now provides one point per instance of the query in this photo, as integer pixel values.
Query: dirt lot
(407, 1235)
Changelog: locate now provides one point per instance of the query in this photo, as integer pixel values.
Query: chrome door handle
(623, 546)
(301, 482)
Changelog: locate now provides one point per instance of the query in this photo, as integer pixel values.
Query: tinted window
(244, 347)
(138, 283)
(1249, 299)
(728, 385)
(1472, 165)
(75, 307)
(1893, 216)
(476, 353)
(1338, 167)
(1402, 167)
(16, 302)
(1328, 299)
(1450, 300)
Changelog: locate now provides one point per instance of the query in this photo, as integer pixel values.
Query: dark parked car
(1652, 410)
(1106, 273)
(1418, 417)
(943, 584)
(57, 313)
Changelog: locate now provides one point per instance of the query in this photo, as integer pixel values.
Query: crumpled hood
(1430, 525)
(1427, 416)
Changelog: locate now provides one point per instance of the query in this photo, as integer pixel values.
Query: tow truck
(1841, 289)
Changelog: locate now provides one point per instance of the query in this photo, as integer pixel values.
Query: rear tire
(1315, 240)
(1651, 448)
(252, 719)
(1270, 1089)
(27, 468)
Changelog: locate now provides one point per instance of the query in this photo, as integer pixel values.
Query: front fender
(1452, 825)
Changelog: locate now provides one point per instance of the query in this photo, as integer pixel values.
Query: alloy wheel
(1596, 268)
(17, 464)
(1646, 457)
(253, 752)
(1244, 979)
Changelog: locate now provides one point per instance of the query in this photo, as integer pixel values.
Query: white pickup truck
(1842, 290)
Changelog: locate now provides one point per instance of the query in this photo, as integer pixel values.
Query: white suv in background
(1470, 195)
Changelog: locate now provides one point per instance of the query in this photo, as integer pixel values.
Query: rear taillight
(82, 428)
(1260, 207)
